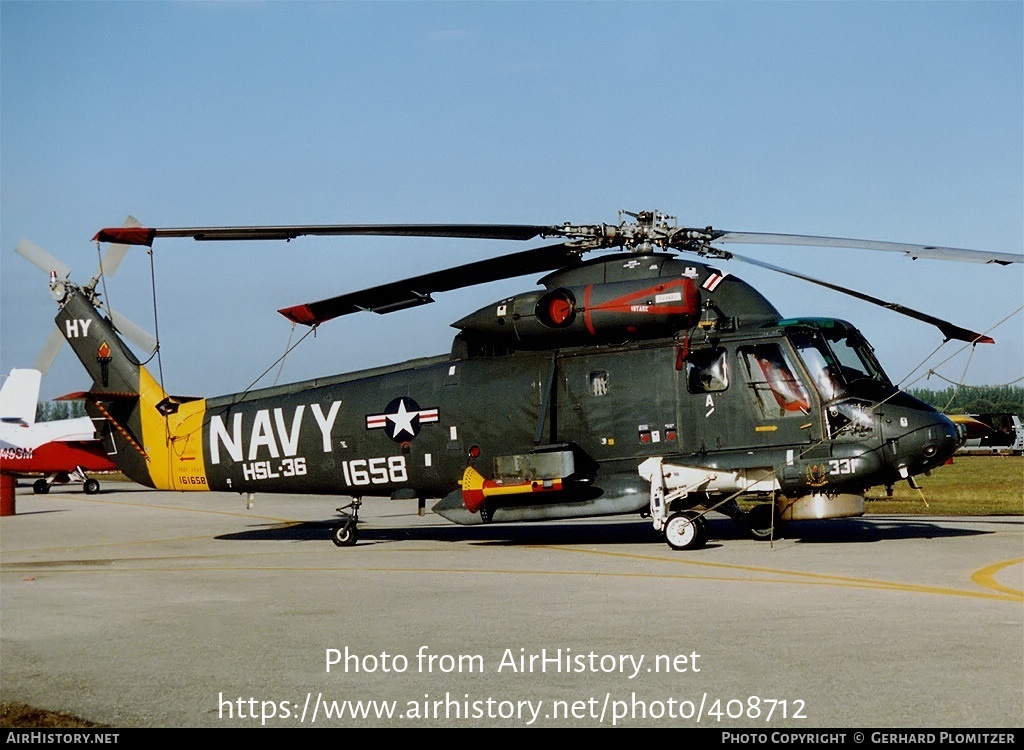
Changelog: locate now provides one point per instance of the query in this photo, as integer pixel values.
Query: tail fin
(158, 440)
(112, 365)
(19, 396)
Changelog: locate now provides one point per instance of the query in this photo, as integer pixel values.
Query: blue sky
(890, 121)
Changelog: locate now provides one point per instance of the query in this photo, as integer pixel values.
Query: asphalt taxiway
(138, 608)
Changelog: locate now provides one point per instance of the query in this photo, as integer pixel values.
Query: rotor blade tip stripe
(300, 314)
(126, 235)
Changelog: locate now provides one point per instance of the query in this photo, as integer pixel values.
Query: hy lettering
(270, 430)
(72, 328)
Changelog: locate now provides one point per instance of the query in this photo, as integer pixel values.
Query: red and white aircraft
(62, 450)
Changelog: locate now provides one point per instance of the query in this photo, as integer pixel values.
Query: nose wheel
(345, 533)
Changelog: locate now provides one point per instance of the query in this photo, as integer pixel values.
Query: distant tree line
(985, 399)
(49, 411)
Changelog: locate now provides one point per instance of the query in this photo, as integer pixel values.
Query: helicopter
(642, 381)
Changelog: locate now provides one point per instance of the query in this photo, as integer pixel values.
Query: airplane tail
(19, 396)
(156, 439)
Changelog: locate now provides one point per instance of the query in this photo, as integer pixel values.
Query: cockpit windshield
(837, 356)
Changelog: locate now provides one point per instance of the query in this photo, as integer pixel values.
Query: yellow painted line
(233, 513)
(416, 570)
(751, 574)
(16, 567)
(774, 576)
(827, 579)
(986, 577)
(137, 542)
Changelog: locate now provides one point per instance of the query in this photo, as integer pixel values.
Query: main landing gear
(89, 485)
(345, 532)
(686, 530)
(764, 522)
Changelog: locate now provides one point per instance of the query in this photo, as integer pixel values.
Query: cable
(238, 396)
(976, 387)
(286, 350)
(958, 351)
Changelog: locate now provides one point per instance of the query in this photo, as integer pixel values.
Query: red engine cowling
(594, 313)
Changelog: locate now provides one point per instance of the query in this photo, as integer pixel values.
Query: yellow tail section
(172, 436)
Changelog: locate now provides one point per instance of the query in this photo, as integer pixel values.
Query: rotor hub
(649, 231)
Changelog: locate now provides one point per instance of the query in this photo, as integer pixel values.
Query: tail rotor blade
(42, 259)
(108, 265)
(134, 333)
(50, 351)
(116, 252)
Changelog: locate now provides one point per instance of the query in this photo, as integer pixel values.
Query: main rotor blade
(914, 251)
(42, 259)
(650, 229)
(399, 295)
(949, 330)
(145, 236)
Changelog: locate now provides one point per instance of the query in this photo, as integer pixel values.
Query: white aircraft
(62, 450)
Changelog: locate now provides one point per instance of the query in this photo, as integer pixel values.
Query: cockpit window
(856, 358)
(706, 371)
(822, 366)
(835, 358)
(775, 386)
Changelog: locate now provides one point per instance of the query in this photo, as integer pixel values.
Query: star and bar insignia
(402, 418)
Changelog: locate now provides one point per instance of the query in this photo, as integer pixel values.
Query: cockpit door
(746, 396)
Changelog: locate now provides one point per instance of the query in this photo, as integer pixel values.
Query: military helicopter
(634, 382)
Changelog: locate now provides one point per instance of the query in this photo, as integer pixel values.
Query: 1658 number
(383, 470)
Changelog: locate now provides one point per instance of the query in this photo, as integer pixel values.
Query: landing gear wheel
(759, 522)
(344, 533)
(686, 530)
(91, 486)
(40, 487)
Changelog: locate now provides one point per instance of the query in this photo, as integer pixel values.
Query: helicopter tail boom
(157, 438)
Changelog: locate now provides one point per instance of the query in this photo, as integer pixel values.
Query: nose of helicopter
(919, 438)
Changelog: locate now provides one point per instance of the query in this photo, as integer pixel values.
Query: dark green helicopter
(635, 382)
